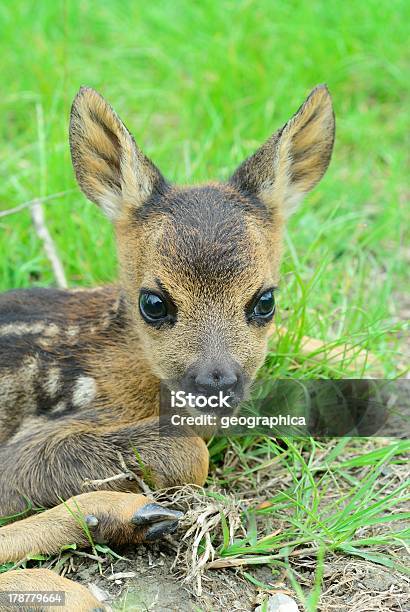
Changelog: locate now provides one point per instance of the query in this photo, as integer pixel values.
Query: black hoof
(154, 513)
(159, 530)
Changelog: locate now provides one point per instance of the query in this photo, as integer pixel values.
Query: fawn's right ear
(109, 167)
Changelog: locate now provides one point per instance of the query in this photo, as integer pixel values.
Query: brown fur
(80, 370)
(77, 597)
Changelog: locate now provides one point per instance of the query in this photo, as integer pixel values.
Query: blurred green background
(201, 85)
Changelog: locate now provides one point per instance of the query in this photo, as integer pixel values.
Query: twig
(143, 485)
(126, 474)
(37, 214)
(120, 575)
(237, 562)
(98, 482)
(81, 553)
(30, 203)
(20, 563)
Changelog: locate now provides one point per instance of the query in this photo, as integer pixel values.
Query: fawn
(80, 369)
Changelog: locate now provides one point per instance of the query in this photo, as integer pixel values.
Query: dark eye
(152, 307)
(265, 306)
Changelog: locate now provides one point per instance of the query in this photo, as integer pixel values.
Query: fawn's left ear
(294, 159)
(110, 168)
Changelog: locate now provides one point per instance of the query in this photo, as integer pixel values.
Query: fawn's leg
(98, 516)
(77, 597)
(55, 462)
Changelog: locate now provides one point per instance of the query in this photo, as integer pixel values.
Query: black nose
(216, 379)
(210, 377)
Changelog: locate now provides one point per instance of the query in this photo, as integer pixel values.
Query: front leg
(99, 516)
(54, 463)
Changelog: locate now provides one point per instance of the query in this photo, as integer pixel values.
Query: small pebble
(279, 603)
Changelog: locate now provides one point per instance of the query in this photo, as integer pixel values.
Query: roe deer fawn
(80, 369)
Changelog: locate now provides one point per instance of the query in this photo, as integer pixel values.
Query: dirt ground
(146, 581)
(154, 586)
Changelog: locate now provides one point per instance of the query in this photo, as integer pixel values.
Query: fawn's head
(199, 265)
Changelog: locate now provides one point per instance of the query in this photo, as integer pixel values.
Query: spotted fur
(80, 369)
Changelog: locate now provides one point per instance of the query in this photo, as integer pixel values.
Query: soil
(150, 583)
(154, 585)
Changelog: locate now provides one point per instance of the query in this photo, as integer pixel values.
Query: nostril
(216, 376)
(216, 380)
(228, 381)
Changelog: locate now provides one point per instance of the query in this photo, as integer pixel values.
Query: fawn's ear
(109, 167)
(294, 159)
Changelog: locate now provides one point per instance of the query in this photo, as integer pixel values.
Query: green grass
(345, 497)
(314, 521)
(201, 85)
